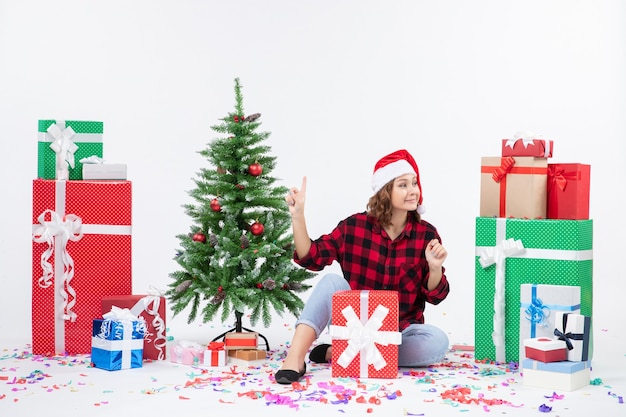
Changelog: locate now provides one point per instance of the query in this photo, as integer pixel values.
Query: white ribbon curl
(63, 147)
(362, 338)
(56, 233)
(497, 255)
(150, 304)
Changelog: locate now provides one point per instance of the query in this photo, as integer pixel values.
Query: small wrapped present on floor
(545, 350)
(241, 340)
(117, 341)
(187, 353)
(248, 354)
(151, 307)
(365, 334)
(575, 331)
(556, 376)
(215, 354)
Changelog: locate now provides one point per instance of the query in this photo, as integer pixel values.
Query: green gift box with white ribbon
(511, 252)
(61, 144)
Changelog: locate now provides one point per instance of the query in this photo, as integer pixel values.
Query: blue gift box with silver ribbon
(117, 343)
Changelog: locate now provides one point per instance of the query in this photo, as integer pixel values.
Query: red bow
(505, 166)
(557, 176)
(216, 346)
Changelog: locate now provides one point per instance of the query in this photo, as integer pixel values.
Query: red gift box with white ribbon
(365, 334)
(81, 252)
(151, 307)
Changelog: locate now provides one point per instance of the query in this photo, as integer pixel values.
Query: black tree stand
(239, 328)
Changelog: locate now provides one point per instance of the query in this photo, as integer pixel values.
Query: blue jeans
(422, 344)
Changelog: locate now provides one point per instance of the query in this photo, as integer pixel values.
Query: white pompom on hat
(392, 166)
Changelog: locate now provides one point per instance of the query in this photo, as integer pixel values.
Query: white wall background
(339, 84)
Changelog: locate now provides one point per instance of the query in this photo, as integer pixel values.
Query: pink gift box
(187, 353)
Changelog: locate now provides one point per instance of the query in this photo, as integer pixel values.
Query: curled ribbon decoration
(150, 304)
(537, 312)
(62, 145)
(497, 256)
(56, 233)
(362, 338)
(506, 164)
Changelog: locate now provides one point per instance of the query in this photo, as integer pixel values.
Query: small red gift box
(365, 334)
(152, 309)
(544, 349)
(513, 187)
(215, 355)
(241, 340)
(539, 148)
(568, 191)
(81, 252)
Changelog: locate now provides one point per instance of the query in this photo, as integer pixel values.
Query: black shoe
(287, 376)
(318, 354)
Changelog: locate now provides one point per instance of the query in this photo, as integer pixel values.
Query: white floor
(69, 387)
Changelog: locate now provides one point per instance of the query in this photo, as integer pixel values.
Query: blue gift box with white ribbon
(117, 344)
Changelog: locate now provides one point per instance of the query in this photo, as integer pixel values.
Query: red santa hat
(392, 166)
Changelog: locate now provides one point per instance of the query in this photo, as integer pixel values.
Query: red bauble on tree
(215, 205)
(257, 228)
(199, 237)
(255, 169)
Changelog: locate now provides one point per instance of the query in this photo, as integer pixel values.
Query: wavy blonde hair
(379, 205)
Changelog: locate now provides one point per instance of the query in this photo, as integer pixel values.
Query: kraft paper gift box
(187, 353)
(544, 349)
(539, 305)
(365, 334)
(241, 340)
(117, 341)
(575, 331)
(104, 171)
(568, 191)
(539, 148)
(513, 187)
(65, 143)
(248, 354)
(81, 252)
(215, 354)
(152, 309)
(512, 252)
(556, 376)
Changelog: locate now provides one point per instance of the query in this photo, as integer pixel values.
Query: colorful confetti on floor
(68, 386)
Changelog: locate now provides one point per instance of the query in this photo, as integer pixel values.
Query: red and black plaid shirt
(371, 261)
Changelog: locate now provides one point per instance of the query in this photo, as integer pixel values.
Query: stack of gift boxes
(236, 345)
(533, 264)
(82, 254)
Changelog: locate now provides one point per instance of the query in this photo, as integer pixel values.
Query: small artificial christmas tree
(238, 255)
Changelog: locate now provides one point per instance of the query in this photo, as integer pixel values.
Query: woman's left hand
(435, 254)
